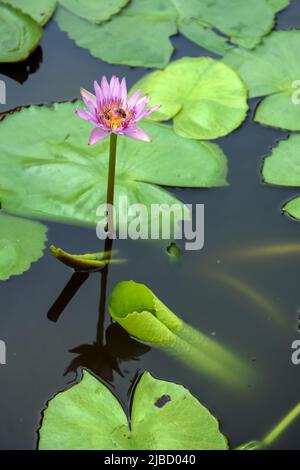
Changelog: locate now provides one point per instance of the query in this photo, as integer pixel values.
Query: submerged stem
(111, 180)
(281, 427)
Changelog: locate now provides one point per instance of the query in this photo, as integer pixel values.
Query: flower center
(113, 116)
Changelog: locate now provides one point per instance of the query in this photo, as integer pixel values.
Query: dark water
(247, 213)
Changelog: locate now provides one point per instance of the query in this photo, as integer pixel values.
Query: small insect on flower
(111, 112)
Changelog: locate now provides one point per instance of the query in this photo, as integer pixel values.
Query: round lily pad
(40, 10)
(19, 34)
(96, 11)
(205, 98)
(51, 172)
(272, 70)
(164, 416)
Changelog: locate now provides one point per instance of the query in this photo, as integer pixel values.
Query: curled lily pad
(96, 11)
(205, 98)
(137, 309)
(272, 70)
(52, 173)
(142, 314)
(86, 261)
(138, 36)
(21, 243)
(19, 34)
(87, 416)
(282, 168)
(41, 10)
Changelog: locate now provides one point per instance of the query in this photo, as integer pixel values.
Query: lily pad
(139, 36)
(205, 98)
(164, 416)
(282, 168)
(19, 34)
(96, 11)
(153, 22)
(271, 70)
(50, 171)
(41, 10)
(278, 5)
(243, 22)
(21, 243)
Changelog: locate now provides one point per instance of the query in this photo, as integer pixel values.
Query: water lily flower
(111, 112)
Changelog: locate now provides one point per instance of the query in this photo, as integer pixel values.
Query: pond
(51, 321)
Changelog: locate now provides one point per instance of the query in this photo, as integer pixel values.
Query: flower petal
(86, 116)
(105, 87)
(96, 135)
(141, 104)
(134, 99)
(138, 134)
(115, 89)
(123, 91)
(99, 94)
(112, 83)
(87, 96)
(146, 113)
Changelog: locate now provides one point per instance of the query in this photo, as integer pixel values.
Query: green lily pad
(50, 172)
(41, 10)
(21, 243)
(271, 70)
(244, 23)
(207, 23)
(205, 98)
(139, 36)
(282, 168)
(19, 34)
(96, 11)
(164, 416)
(278, 5)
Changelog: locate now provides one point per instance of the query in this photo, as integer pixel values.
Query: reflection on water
(104, 356)
(20, 71)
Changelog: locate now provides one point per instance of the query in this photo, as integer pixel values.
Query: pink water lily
(111, 112)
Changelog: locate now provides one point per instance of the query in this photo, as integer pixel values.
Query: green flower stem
(111, 177)
(282, 426)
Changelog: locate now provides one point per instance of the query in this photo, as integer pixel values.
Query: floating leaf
(96, 11)
(137, 37)
(19, 34)
(137, 309)
(164, 416)
(282, 168)
(51, 172)
(41, 10)
(272, 69)
(204, 36)
(206, 23)
(278, 5)
(243, 23)
(205, 98)
(21, 243)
